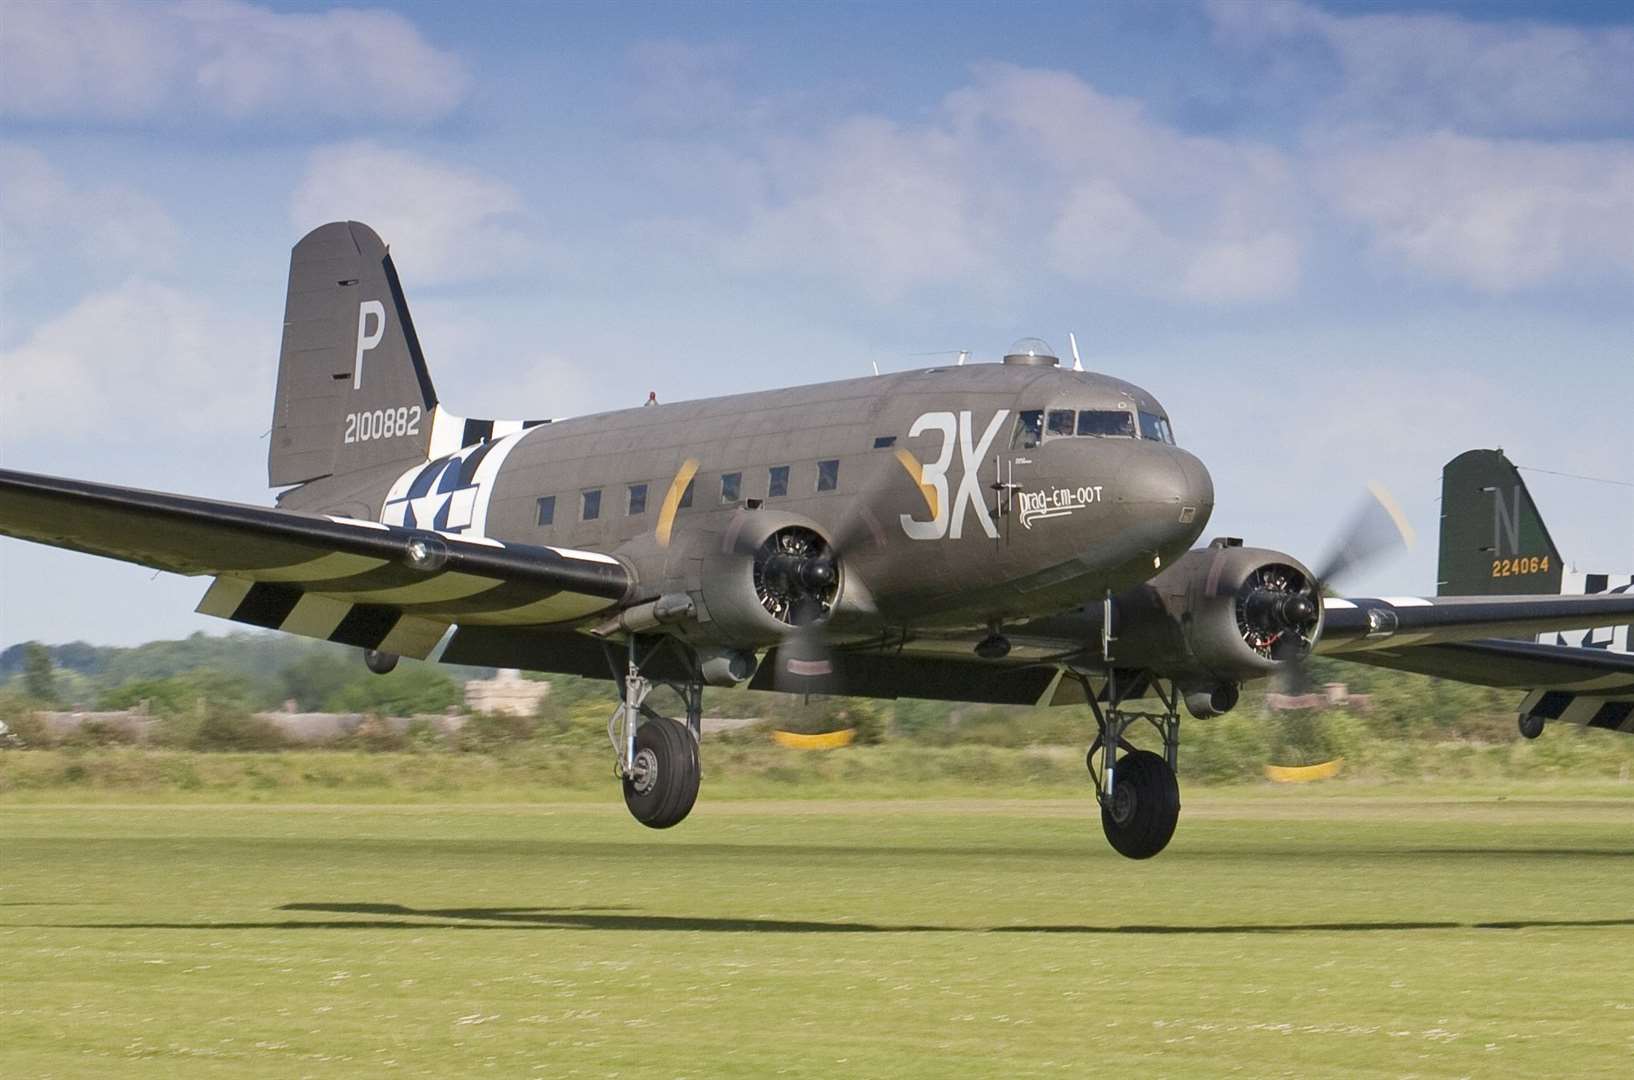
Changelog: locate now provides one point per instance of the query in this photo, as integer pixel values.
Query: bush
(226, 731)
(488, 732)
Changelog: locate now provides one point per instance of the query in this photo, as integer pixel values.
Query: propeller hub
(796, 576)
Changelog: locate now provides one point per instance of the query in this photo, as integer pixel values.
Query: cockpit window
(1029, 430)
(1060, 422)
(1156, 428)
(1116, 422)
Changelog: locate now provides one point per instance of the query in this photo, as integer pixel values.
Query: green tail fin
(1493, 540)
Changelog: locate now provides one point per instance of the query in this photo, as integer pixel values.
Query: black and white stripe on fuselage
(450, 434)
(1618, 639)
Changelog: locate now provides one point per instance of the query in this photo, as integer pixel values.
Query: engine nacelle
(1226, 613)
(768, 574)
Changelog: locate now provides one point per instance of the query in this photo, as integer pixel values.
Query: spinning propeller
(1280, 612)
(798, 574)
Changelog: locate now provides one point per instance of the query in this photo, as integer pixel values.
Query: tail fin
(353, 390)
(1493, 540)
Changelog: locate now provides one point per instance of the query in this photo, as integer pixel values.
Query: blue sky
(1340, 242)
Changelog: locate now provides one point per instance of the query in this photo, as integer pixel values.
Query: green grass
(1286, 933)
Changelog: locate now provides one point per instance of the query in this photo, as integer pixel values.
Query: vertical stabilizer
(1493, 540)
(353, 389)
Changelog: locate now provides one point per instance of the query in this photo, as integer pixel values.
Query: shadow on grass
(398, 917)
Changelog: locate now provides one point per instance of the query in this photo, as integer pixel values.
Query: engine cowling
(1221, 615)
(768, 575)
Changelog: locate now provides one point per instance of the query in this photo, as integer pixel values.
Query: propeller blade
(1376, 529)
(804, 657)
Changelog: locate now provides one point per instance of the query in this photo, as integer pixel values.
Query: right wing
(355, 582)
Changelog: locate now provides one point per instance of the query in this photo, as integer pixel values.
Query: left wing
(355, 582)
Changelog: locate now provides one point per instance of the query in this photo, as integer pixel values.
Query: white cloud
(872, 199)
(1497, 215)
(679, 82)
(1431, 71)
(140, 362)
(1023, 171)
(444, 223)
(43, 217)
(126, 61)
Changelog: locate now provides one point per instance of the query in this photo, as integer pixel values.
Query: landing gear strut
(1137, 789)
(657, 756)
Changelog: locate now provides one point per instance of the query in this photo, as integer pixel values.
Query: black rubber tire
(1531, 726)
(668, 798)
(1151, 804)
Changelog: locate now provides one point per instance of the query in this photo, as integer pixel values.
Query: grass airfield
(1282, 934)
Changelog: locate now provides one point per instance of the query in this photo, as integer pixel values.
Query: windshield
(1106, 422)
(1156, 428)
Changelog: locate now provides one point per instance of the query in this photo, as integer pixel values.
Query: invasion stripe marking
(334, 565)
(1337, 604)
(266, 605)
(358, 522)
(466, 538)
(1406, 601)
(413, 637)
(223, 596)
(1613, 715)
(365, 626)
(449, 586)
(558, 608)
(316, 616)
(584, 556)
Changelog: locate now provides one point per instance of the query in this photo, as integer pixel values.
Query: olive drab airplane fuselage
(1011, 533)
(981, 514)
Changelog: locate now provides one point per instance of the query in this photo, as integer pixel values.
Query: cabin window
(686, 495)
(777, 481)
(1029, 430)
(638, 499)
(884, 442)
(590, 508)
(1061, 422)
(731, 487)
(1155, 427)
(1106, 422)
(546, 513)
(828, 475)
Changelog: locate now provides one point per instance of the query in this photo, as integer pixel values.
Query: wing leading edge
(358, 582)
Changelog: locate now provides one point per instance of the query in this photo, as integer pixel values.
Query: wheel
(1140, 817)
(664, 781)
(1531, 725)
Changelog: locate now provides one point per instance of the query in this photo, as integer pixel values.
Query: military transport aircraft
(1009, 533)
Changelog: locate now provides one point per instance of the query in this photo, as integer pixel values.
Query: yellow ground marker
(828, 740)
(1303, 774)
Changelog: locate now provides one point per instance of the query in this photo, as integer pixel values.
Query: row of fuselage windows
(1033, 426)
(731, 491)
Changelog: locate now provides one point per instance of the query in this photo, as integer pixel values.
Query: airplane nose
(1167, 496)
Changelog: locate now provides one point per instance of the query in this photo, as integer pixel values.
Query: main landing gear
(657, 756)
(1137, 789)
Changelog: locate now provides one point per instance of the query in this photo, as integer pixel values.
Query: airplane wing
(1356, 626)
(356, 582)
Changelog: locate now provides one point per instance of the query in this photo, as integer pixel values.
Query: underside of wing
(357, 582)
